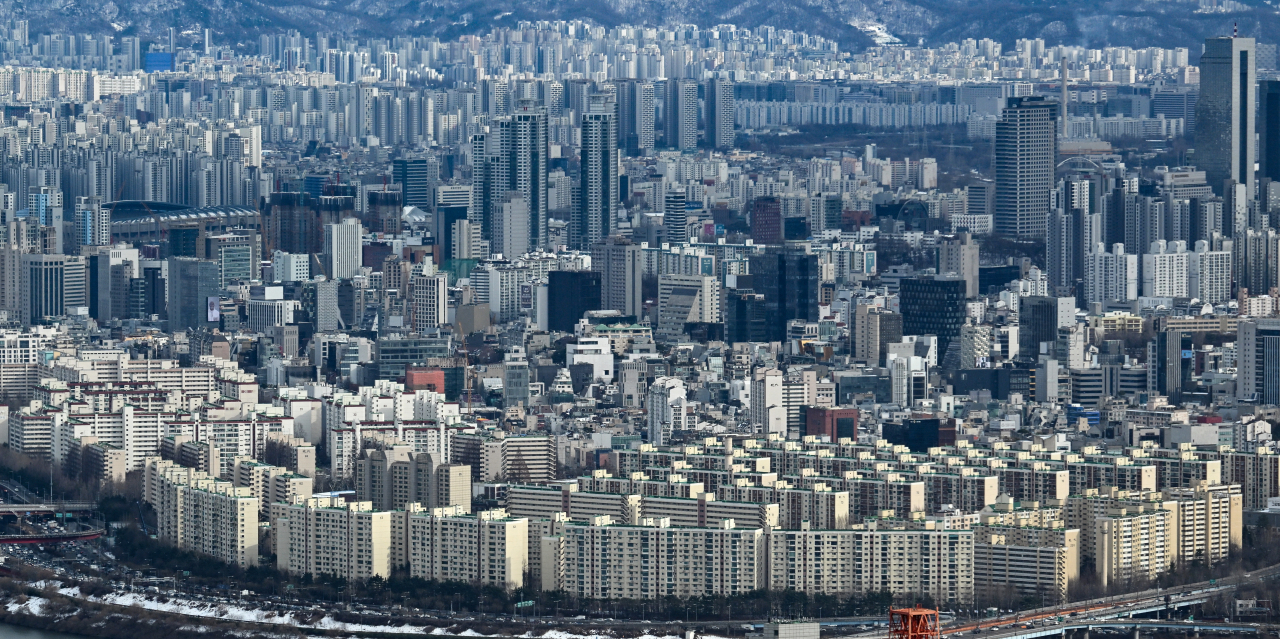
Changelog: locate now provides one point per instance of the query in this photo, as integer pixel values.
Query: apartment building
(489, 547)
(1209, 522)
(327, 536)
(197, 512)
(1031, 570)
(654, 559)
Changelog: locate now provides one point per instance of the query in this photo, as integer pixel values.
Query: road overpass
(52, 538)
(1082, 629)
(21, 510)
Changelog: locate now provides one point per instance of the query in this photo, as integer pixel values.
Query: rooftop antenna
(1235, 29)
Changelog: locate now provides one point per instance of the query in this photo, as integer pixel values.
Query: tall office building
(959, 255)
(745, 316)
(1225, 112)
(1258, 360)
(417, 178)
(517, 158)
(193, 293)
(383, 211)
(719, 116)
(1170, 364)
(341, 257)
(1024, 156)
(680, 116)
(1269, 129)
(636, 115)
(236, 253)
(675, 219)
(572, 294)
(47, 285)
(292, 224)
(430, 295)
(621, 267)
(789, 280)
(598, 194)
(873, 329)
(684, 299)
(933, 306)
(452, 203)
(44, 203)
(1039, 319)
(511, 227)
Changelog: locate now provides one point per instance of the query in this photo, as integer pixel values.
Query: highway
(1108, 614)
(52, 537)
(61, 507)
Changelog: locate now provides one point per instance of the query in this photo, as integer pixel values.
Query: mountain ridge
(1092, 23)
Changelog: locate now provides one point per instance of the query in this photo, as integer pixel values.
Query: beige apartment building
(489, 547)
(327, 536)
(603, 560)
(197, 512)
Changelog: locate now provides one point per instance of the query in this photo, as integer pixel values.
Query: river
(18, 632)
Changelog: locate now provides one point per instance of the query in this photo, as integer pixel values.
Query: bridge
(52, 538)
(43, 509)
(1082, 628)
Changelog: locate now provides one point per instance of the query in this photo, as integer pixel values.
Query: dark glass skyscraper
(416, 177)
(789, 281)
(570, 294)
(193, 293)
(933, 306)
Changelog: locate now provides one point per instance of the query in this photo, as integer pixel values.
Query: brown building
(831, 422)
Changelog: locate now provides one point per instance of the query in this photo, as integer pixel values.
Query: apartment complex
(197, 512)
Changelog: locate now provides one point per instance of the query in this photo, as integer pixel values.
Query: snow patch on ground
(33, 606)
(36, 605)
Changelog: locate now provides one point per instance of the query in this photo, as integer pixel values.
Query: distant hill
(1093, 23)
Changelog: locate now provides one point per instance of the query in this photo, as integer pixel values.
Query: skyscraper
(417, 177)
(598, 195)
(92, 222)
(384, 211)
(789, 280)
(342, 249)
(430, 294)
(1269, 129)
(292, 224)
(621, 267)
(1024, 156)
(933, 306)
(193, 293)
(1225, 113)
(44, 203)
(636, 114)
(719, 117)
(45, 285)
(680, 118)
(573, 294)
(959, 255)
(675, 219)
(517, 156)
